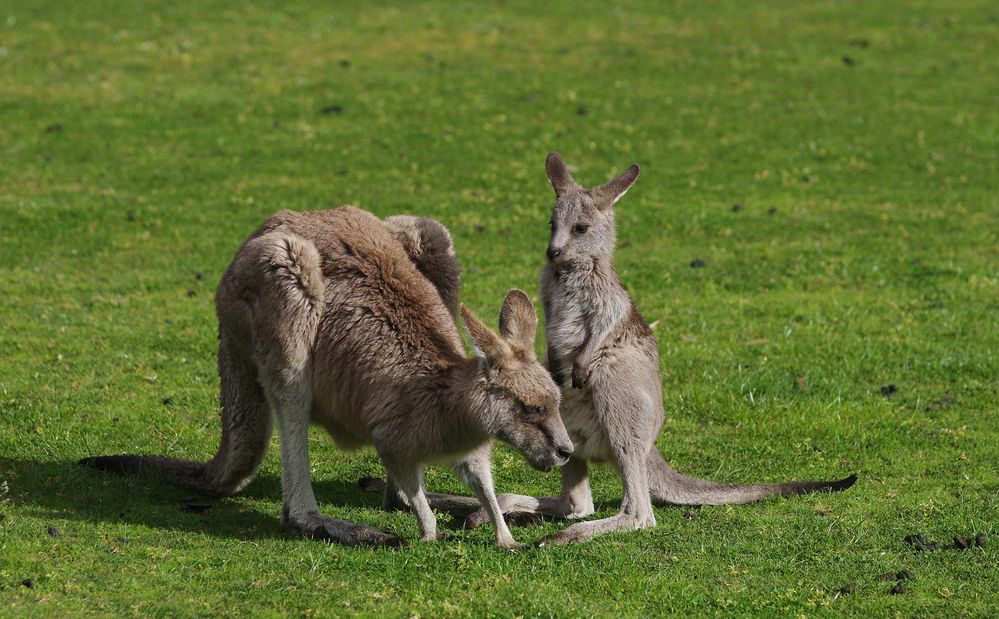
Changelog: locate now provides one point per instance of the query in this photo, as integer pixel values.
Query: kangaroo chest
(566, 323)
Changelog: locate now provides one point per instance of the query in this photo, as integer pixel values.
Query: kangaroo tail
(670, 487)
(246, 431)
(246, 418)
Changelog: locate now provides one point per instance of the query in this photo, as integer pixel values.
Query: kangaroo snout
(563, 453)
(553, 253)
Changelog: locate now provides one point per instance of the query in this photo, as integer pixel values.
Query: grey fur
(327, 317)
(605, 359)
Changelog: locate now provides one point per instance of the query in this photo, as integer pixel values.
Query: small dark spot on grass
(979, 539)
(697, 263)
(918, 542)
(332, 109)
(130, 215)
(192, 293)
(124, 512)
(167, 401)
(772, 210)
(848, 61)
(562, 51)
(54, 531)
(479, 228)
(736, 208)
(861, 43)
(915, 538)
(581, 111)
(848, 588)
(345, 63)
(888, 576)
(27, 583)
(2, 516)
(199, 276)
(690, 513)
(54, 128)
(961, 543)
(195, 508)
(905, 575)
(624, 244)
(888, 390)
(898, 589)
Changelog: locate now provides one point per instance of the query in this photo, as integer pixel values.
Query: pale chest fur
(568, 308)
(578, 306)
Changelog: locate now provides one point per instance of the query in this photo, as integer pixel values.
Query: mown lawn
(140, 142)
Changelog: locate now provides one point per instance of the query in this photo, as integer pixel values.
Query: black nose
(563, 452)
(553, 253)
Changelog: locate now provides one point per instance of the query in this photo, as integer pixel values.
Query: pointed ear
(609, 193)
(487, 344)
(518, 323)
(559, 175)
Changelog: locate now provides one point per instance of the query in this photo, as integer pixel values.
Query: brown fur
(327, 317)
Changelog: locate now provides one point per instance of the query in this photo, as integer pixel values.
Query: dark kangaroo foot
(316, 526)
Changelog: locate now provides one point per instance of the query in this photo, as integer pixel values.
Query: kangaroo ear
(609, 193)
(559, 175)
(487, 344)
(518, 323)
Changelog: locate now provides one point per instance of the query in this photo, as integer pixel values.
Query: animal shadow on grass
(65, 490)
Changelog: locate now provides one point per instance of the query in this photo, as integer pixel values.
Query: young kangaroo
(325, 317)
(604, 357)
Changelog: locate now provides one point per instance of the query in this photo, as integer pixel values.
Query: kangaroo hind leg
(281, 281)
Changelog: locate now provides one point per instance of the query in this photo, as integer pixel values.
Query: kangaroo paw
(523, 519)
(476, 519)
(515, 519)
(371, 484)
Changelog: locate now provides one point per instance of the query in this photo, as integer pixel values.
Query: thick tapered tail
(180, 472)
(246, 433)
(670, 487)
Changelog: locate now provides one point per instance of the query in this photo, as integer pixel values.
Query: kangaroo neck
(465, 400)
(596, 275)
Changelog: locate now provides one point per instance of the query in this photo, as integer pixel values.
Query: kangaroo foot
(317, 526)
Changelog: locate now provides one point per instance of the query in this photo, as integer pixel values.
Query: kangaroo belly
(589, 437)
(341, 422)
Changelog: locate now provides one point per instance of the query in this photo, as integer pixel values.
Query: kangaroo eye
(580, 229)
(530, 411)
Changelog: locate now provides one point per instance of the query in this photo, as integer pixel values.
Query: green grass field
(141, 142)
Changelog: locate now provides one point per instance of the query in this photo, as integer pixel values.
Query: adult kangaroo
(327, 317)
(604, 357)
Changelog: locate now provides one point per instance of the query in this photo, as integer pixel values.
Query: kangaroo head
(583, 219)
(522, 400)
